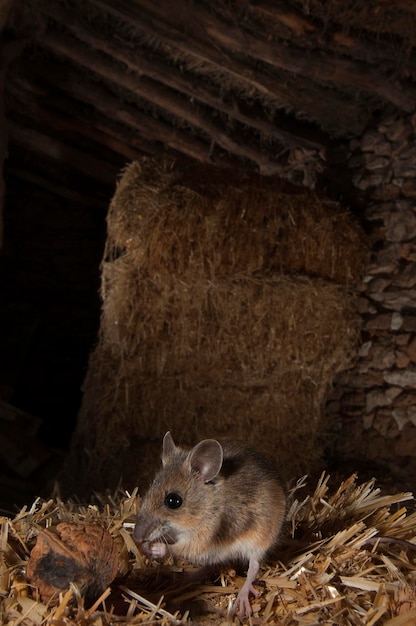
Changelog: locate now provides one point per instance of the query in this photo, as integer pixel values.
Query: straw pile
(348, 559)
(226, 311)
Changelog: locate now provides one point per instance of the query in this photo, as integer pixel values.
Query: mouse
(218, 502)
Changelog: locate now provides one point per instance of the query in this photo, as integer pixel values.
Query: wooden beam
(311, 32)
(318, 67)
(134, 121)
(59, 189)
(166, 101)
(43, 101)
(39, 110)
(288, 92)
(301, 135)
(35, 141)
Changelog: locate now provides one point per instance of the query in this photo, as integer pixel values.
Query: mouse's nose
(144, 528)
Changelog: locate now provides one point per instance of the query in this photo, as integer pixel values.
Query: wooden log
(36, 110)
(182, 82)
(306, 31)
(36, 94)
(296, 92)
(135, 122)
(325, 69)
(165, 100)
(35, 141)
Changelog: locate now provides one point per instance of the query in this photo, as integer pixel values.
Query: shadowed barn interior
(208, 226)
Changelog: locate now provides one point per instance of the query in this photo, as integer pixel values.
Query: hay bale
(226, 311)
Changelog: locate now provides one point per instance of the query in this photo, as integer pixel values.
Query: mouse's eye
(173, 501)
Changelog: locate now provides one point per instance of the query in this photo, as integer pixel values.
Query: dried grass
(348, 558)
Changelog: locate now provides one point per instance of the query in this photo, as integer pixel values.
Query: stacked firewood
(377, 398)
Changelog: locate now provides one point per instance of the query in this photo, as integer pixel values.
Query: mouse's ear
(206, 459)
(168, 447)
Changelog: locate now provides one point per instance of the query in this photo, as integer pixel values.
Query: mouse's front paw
(156, 550)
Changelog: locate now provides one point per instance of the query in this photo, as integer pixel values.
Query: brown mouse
(218, 502)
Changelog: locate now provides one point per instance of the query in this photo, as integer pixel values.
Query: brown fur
(236, 515)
